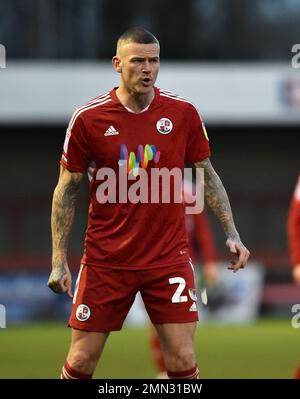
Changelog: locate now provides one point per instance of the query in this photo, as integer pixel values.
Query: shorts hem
(174, 321)
(94, 329)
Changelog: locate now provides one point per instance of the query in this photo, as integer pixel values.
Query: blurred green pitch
(266, 349)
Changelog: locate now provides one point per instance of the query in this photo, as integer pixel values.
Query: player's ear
(116, 61)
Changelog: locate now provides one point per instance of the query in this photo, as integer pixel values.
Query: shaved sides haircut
(136, 35)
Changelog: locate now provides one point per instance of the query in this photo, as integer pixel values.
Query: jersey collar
(119, 104)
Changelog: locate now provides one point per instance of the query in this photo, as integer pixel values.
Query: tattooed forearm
(217, 199)
(62, 217)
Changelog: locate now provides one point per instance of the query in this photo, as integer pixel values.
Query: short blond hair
(136, 35)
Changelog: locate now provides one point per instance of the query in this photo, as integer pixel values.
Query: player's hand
(296, 274)
(242, 254)
(60, 280)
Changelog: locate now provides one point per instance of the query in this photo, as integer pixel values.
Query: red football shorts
(103, 297)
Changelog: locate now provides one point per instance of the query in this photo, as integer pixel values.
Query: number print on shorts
(177, 298)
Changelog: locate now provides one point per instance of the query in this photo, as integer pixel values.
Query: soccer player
(133, 246)
(293, 229)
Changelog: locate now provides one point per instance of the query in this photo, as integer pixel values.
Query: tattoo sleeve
(217, 199)
(62, 216)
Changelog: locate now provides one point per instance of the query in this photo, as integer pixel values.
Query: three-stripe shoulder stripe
(95, 100)
(98, 98)
(173, 96)
(92, 104)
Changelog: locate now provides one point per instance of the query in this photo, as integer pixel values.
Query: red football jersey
(103, 134)
(294, 226)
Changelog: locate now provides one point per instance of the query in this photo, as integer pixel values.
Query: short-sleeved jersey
(102, 134)
(293, 226)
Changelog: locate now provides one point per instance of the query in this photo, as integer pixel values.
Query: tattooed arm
(217, 199)
(62, 217)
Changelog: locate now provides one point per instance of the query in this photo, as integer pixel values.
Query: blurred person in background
(132, 247)
(203, 253)
(293, 229)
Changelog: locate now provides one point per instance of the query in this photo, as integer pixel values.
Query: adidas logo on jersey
(193, 308)
(111, 131)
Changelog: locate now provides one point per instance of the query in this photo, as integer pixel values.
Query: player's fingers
(247, 256)
(67, 286)
(232, 247)
(238, 263)
(69, 291)
(55, 286)
(242, 254)
(62, 288)
(232, 267)
(244, 257)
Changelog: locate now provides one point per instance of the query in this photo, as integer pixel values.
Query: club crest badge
(164, 126)
(83, 312)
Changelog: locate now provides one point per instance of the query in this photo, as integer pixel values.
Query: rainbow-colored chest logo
(139, 160)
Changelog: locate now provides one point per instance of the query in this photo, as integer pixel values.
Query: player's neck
(135, 102)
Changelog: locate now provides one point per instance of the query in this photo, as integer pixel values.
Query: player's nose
(146, 67)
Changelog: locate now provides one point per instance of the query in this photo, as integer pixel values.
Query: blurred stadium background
(233, 60)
